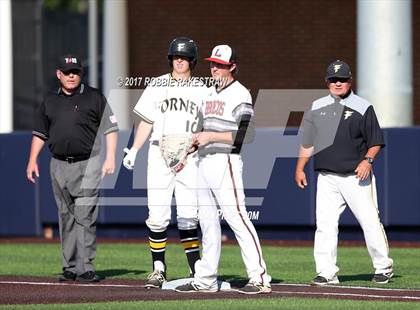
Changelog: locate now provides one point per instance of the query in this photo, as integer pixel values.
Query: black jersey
(70, 123)
(341, 131)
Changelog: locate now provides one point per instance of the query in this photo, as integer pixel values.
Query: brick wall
(283, 44)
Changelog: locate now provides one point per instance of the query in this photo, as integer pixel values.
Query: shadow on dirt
(360, 277)
(237, 281)
(109, 273)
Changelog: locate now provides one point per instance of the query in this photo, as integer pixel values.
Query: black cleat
(320, 280)
(192, 288)
(253, 288)
(67, 276)
(382, 278)
(88, 277)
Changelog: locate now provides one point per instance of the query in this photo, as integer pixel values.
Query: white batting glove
(130, 158)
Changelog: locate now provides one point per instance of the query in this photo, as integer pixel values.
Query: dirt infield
(44, 290)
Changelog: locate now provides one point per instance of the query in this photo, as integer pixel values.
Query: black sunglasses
(72, 71)
(337, 79)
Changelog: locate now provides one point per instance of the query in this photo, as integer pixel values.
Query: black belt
(71, 159)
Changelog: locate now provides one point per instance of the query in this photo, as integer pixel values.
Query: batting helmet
(183, 46)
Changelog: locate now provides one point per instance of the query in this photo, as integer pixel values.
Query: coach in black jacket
(342, 131)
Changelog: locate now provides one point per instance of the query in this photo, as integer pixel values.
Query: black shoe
(192, 288)
(253, 287)
(89, 276)
(320, 280)
(67, 276)
(382, 278)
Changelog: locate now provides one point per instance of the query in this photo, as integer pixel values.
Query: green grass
(285, 264)
(272, 303)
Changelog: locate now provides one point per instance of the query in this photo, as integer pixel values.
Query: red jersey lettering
(215, 107)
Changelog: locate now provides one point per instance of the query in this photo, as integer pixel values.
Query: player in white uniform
(167, 106)
(227, 113)
(342, 131)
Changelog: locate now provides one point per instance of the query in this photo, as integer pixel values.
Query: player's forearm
(111, 145)
(304, 156)
(222, 137)
(36, 147)
(373, 151)
(142, 134)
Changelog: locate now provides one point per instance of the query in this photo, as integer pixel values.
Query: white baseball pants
(220, 183)
(334, 193)
(161, 184)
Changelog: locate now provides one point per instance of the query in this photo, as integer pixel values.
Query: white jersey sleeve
(223, 111)
(146, 105)
(244, 106)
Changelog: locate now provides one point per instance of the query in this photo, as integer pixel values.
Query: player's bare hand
(31, 170)
(108, 167)
(363, 170)
(300, 178)
(202, 138)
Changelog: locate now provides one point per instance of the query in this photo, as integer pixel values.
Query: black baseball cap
(69, 62)
(338, 69)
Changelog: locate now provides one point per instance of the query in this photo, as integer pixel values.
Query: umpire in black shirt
(342, 131)
(72, 121)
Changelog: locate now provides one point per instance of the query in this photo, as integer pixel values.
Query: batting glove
(130, 158)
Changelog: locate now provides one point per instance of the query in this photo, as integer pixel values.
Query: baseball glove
(175, 148)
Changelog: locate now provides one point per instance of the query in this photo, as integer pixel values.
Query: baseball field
(29, 271)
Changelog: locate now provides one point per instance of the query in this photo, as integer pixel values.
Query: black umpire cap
(69, 62)
(338, 69)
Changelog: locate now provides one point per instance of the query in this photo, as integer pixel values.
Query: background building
(281, 44)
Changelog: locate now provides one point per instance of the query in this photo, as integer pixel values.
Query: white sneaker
(155, 279)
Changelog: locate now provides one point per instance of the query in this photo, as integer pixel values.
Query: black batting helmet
(183, 46)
